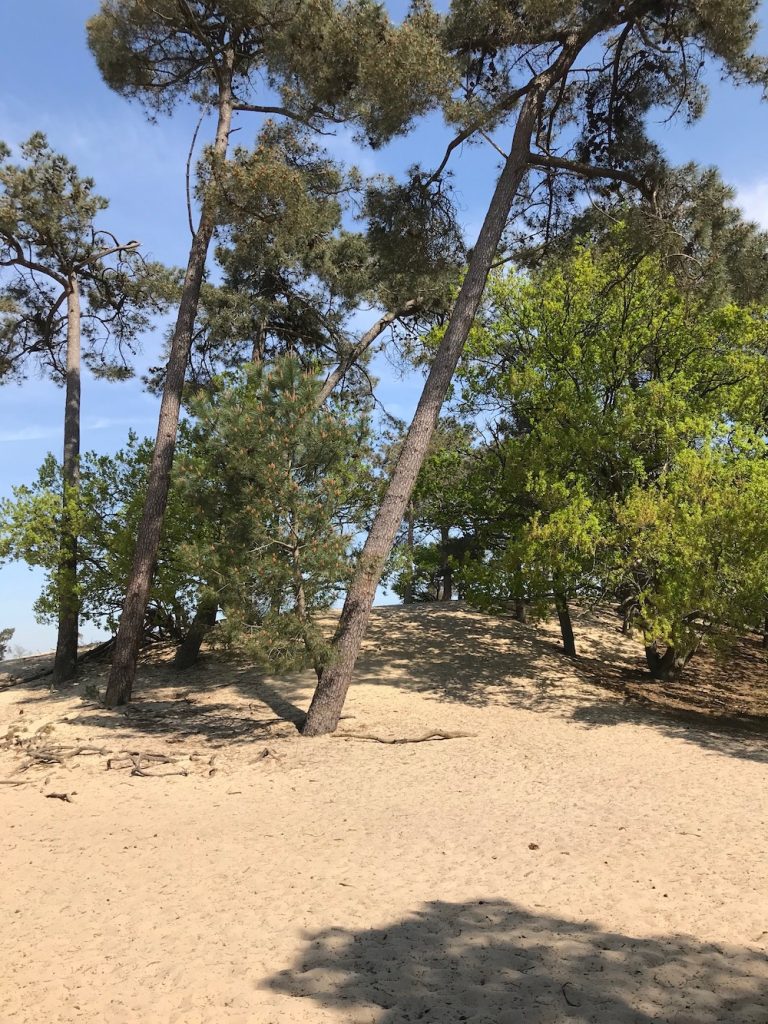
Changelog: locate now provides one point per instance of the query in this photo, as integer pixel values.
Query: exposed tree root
(428, 737)
(133, 761)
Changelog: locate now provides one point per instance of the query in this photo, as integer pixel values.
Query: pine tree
(67, 281)
(324, 61)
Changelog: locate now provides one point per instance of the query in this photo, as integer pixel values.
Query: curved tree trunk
(65, 661)
(148, 538)
(188, 650)
(668, 665)
(329, 696)
(566, 626)
(351, 356)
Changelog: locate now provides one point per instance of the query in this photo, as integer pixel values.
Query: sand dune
(576, 857)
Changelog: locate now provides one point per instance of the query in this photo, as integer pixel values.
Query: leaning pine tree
(580, 79)
(324, 60)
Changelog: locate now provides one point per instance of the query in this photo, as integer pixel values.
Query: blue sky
(140, 167)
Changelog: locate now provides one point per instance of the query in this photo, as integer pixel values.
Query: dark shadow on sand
(491, 962)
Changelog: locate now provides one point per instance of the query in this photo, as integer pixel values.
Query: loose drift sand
(575, 858)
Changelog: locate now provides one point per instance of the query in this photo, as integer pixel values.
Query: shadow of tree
(491, 962)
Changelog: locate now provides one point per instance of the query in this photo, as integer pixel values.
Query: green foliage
(694, 227)
(104, 516)
(692, 547)
(275, 488)
(326, 60)
(612, 403)
(48, 233)
(6, 635)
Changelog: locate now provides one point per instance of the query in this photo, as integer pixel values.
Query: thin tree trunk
(331, 691)
(65, 661)
(566, 626)
(148, 539)
(348, 360)
(188, 650)
(408, 596)
(765, 631)
(446, 593)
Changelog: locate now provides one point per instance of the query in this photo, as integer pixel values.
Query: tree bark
(329, 696)
(348, 360)
(446, 591)
(65, 661)
(566, 626)
(408, 596)
(667, 666)
(521, 611)
(188, 650)
(128, 636)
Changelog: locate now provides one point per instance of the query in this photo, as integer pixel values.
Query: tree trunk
(521, 611)
(348, 360)
(65, 661)
(667, 666)
(566, 626)
(446, 593)
(148, 539)
(408, 596)
(329, 696)
(188, 650)
(765, 631)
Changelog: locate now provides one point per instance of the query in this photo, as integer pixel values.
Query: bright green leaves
(625, 453)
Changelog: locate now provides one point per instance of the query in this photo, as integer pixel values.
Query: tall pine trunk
(203, 622)
(128, 636)
(410, 543)
(566, 626)
(65, 661)
(331, 691)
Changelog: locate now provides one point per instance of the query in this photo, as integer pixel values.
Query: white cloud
(29, 434)
(41, 433)
(753, 199)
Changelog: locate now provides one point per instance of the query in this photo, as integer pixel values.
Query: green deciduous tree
(604, 387)
(112, 490)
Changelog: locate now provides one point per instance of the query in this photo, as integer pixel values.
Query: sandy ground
(575, 858)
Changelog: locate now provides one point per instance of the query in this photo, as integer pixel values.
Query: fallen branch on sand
(59, 796)
(56, 755)
(133, 761)
(428, 737)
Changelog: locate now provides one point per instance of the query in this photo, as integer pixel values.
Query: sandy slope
(576, 858)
